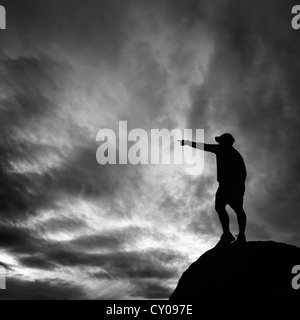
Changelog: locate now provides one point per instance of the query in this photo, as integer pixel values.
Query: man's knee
(239, 210)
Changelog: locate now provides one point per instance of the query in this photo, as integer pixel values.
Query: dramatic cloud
(77, 230)
(40, 290)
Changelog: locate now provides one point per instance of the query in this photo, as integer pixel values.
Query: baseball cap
(225, 138)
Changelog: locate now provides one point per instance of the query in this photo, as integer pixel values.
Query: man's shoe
(226, 238)
(241, 239)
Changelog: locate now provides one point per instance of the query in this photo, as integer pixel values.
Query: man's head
(225, 139)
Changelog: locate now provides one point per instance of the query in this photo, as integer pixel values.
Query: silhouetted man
(231, 174)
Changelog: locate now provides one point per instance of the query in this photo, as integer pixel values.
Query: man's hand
(182, 142)
(199, 145)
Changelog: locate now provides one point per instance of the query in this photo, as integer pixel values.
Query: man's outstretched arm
(201, 146)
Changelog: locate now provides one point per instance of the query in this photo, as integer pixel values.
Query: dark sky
(72, 229)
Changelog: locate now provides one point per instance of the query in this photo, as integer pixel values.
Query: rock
(256, 270)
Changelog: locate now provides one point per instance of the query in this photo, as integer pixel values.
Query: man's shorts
(230, 195)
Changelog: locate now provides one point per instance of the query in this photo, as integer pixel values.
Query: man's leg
(221, 202)
(241, 218)
(220, 208)
(237, 205)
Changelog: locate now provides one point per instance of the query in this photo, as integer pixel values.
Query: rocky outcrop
(256, 270)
